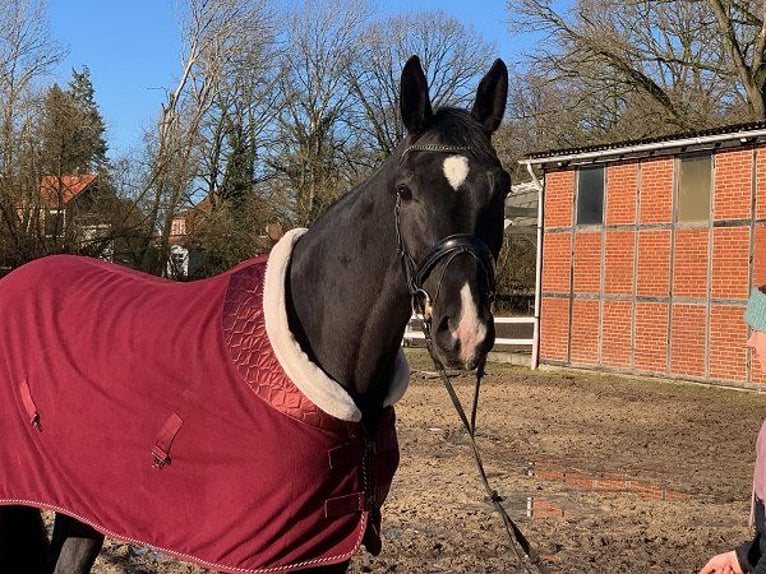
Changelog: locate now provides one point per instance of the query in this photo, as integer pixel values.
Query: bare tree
(215, 33)
(311, 149)
(665, 62)
(743, 30)
(27, 53)
(240, 123)
(451, 55)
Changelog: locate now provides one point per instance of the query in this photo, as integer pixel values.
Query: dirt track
(618, 475)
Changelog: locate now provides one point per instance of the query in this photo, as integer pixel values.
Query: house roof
(55, 191)
(713, 138)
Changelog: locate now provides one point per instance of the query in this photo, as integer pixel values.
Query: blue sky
(131, 48)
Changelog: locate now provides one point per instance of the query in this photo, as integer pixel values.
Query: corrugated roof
(727, 129)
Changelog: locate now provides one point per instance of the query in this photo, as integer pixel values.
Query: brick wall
(733, 183)
(621, 187)
(760, 183)
(728, 357)
(616, 325)
(587, 262)
(690, 262)
(759, 256)
(618, 264)
(557, 266)
(687, 340)
(654, 263)
(650, 295)
(559, 196)
(554, 322)
(585, 327)
(650, 352)
(731, 262)
(557, 262)
(656, 191)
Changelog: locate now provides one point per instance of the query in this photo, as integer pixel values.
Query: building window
(178, 226)
(694, 177)
(590, 196)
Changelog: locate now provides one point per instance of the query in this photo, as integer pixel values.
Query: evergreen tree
(80, 88)
(72, 129)
(238, 175)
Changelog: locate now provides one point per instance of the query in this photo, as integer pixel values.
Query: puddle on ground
(542, 507)
(562, 507)
(620, 482)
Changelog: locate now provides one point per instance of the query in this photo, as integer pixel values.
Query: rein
(422, 306)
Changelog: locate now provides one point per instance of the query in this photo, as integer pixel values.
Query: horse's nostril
(444, 333)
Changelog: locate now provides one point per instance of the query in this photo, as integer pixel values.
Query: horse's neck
(348, 304)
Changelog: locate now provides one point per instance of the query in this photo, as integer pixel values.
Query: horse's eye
(404, 192)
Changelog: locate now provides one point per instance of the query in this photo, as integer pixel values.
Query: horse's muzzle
(465, 345)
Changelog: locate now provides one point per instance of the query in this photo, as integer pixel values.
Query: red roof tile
(64, 189)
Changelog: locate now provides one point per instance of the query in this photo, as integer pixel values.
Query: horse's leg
(74, 546)
(23, 542)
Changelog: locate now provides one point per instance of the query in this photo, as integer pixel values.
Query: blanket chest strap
(161, 449)
(29, 405)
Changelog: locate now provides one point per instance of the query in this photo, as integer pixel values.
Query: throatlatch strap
(29, 405)
(161, 450)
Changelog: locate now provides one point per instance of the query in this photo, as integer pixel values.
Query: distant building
(75, 206)
(185, 261)
(186, 258)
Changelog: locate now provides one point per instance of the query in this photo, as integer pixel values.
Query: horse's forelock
(456, 127)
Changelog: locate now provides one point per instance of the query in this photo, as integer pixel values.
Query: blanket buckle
(160, 459)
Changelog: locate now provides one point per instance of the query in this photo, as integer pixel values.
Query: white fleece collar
(311, 380)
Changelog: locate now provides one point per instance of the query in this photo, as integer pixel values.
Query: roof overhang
(637, 150)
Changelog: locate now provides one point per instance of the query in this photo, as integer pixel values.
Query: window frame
(681, 197)
(579, 202)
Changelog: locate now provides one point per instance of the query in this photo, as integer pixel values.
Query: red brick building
(650, 249)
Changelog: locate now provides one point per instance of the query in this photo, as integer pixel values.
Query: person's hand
(725, 563)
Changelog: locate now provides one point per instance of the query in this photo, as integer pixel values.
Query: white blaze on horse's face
(471, 330)
(456, 170)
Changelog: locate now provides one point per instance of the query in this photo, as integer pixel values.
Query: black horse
(422, 232)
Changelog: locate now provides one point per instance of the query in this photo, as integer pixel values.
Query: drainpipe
(538, 267)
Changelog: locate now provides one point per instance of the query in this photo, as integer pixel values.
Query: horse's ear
(491, 96)
(415, 103)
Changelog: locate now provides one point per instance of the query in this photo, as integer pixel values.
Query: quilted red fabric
(157, 412)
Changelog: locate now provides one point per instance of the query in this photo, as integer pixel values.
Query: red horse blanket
(184, 416)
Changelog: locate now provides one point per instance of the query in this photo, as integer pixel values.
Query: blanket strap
(29, 405)
(341, 460)
(161, 450)
(341, 505)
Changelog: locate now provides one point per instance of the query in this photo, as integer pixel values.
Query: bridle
(448, 248)
(422, 302)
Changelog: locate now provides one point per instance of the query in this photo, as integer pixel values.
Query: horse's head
(450, 189)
